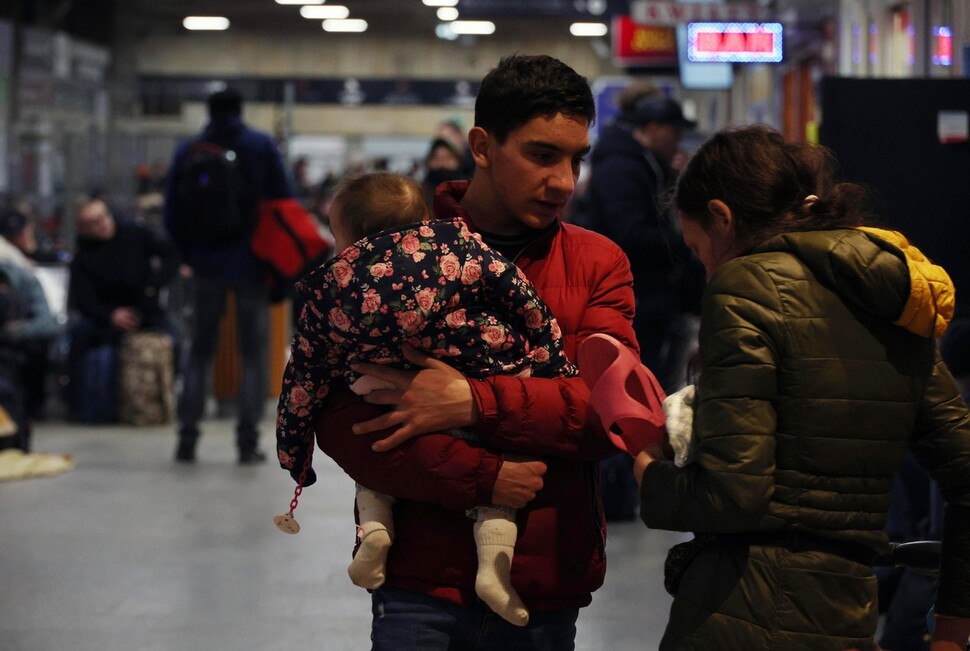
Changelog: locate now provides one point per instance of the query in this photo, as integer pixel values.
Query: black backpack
(212, 194)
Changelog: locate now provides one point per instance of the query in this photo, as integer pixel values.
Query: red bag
(288, 240)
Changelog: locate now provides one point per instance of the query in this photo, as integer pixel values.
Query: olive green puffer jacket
(809, 394)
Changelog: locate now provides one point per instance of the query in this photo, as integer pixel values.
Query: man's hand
(433, 399)
(125, 319)
(518, 481)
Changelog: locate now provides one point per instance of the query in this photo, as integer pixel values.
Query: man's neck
(483, 211)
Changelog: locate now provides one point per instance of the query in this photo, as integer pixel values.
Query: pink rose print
(286, 460)
(554, 328)
(410, 244)
(298, 397)
(533, 319)
(425, 231)
(371, 302)
(304, 345)
(456, 319)
(339, 320)
(450, 267)
(425, 299)
(496, 266)
(494, 336)
(471, 273)
(342, 272)
(418, 256)
(410, 321)
(380, 270)
(540, 355)
(351, 254)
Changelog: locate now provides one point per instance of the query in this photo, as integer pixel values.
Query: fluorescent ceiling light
(447, 13)
(300, 2)
(473, 27)
(440, 3)
(588, 29)
(342, 25)
(324, 12)
(444, 32)
(195, 23)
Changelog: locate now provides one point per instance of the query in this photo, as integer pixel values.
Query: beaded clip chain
(285, 522)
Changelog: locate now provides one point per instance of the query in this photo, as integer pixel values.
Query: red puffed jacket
(559, 555)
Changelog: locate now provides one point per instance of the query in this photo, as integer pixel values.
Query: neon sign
(734, 42)
(943, 46)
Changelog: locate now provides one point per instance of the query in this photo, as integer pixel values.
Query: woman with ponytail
(818, 369)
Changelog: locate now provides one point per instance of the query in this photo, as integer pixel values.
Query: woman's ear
(723, 222)
(479, 144)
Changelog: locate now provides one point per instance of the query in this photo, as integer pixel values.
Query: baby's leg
(495, 535)
(375, 532)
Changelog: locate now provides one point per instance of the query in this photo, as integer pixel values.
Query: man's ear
(723, 222)
(480, 146)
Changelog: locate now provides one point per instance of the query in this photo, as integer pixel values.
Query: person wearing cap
(223, 268)
(630, 172)
(443, 163)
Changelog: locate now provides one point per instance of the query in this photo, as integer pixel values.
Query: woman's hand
(433, 399)
(646, 456)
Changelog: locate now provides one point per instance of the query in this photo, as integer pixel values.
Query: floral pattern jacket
(434, 285)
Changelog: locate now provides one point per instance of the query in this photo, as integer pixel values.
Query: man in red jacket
(542, 447)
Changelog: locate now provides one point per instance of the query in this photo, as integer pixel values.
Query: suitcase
(146, 386)
(97, 393)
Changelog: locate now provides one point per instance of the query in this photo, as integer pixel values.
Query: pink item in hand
(624, 393)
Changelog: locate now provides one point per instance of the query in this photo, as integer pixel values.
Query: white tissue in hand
(679, 412)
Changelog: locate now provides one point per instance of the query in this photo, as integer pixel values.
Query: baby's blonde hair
(369, 203)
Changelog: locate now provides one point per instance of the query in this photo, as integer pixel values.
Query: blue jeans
(407, 621)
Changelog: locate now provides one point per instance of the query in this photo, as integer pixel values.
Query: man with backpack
(214, 185)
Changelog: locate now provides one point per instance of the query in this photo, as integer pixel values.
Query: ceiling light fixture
(440, 3)
(324, 12)
(300, 2)
(345, 25)
(588, 29)
(473, 27)
(447, 13)
(205, 23)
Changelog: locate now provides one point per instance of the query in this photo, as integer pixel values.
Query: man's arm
(527, 415)
(435, 468)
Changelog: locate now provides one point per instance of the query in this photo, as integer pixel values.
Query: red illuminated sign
(643, 45)
(734, 42)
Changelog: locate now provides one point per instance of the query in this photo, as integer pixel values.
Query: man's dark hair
(225, 103)
(521, 88)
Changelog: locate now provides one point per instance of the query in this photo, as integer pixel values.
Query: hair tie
(809, 200)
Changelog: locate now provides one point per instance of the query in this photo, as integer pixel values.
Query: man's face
(94, 222)
(661, 138)
(533, 173)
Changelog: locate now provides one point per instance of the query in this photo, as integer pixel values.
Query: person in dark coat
(819, 369)
(630, 172)
(117, 274)
(220, 268)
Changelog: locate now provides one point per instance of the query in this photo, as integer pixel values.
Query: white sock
(495, 535)
(376, 532)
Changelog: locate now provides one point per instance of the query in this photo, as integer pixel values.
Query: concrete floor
(129, 551)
